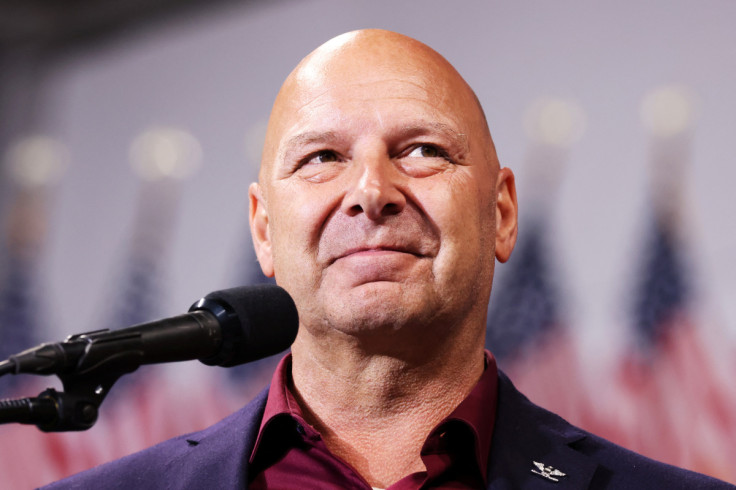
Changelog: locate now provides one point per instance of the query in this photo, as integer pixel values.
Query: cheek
(296, 224)
(463, 211)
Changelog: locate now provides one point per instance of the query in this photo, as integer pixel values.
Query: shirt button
(300, 429)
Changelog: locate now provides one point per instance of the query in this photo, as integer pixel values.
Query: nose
(375, 192)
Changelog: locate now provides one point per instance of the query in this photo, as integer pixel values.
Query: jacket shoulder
(215, 457)
(526, 434)
(622, 468)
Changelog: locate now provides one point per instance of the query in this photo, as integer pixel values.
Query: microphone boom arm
(99, 358)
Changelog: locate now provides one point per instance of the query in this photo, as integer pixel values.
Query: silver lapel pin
(547, 472)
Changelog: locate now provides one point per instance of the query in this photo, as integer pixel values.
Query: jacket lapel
(532, 447)
(220, 453)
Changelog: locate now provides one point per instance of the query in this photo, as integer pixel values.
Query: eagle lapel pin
(548, 472)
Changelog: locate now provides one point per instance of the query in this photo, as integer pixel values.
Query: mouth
(377, 251)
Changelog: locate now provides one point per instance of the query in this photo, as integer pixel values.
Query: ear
(259, 229)
(507, 213)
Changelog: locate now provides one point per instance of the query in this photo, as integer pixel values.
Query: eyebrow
(304, 139)
(409, 130)
(310, 137)
(429, 127)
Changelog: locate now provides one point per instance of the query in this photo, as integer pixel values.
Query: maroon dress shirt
(289, 453)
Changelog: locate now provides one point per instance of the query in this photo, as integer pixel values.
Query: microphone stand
(74, 409)
(77, 407)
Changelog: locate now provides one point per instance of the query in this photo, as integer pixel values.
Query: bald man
(381, 208)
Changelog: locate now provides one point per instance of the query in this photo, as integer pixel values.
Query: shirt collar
(280, 401)
(477, 411)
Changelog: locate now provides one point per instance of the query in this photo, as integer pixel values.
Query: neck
(374, 410)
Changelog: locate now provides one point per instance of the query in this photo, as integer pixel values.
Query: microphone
(225, 328)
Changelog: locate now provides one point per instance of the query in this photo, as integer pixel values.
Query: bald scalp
(354, 56)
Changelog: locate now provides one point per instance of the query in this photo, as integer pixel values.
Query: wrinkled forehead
(379, 67)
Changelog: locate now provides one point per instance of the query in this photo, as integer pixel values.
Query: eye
(324, 156)
(427, 151)
(424, 160)
(320, 166)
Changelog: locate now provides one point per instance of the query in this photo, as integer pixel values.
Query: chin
(378, 310)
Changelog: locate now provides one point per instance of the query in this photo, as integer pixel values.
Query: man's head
(381, 203)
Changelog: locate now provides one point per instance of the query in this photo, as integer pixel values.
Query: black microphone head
(257, 322)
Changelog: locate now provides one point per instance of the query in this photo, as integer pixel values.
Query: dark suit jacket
(216, 458)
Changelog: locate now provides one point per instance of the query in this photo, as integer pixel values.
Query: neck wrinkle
(348, 383)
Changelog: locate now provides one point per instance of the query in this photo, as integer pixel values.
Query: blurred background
(130, 130)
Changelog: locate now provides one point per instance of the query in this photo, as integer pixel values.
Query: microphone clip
(74, 409)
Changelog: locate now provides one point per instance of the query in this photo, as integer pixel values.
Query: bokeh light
(668, 110)
(37, 160)
(555, 121)
(165, 152)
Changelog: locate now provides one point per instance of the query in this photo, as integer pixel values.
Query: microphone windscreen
(268, 321)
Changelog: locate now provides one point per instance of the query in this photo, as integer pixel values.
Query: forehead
(358, 105)
(354, 84)
(390, 95)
